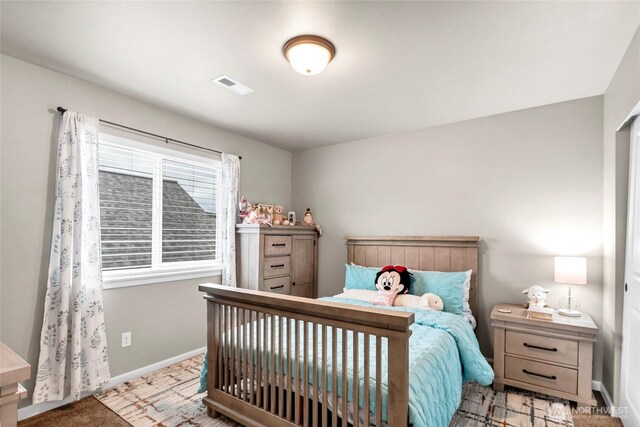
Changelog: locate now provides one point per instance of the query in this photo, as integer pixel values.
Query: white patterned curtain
(73, 343)
(229, 199)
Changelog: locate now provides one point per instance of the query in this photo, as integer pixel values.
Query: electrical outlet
(126, 339)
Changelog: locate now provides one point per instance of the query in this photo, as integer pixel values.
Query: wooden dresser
(282, 259)
(553, 357)
(13, 369)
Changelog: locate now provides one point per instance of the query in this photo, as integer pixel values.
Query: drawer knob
(539, 348)
(277, 287)
(549, 377)
(277, 265)
(279, 245)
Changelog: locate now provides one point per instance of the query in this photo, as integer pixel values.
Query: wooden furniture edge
(13, 368)
(496, 316)
(544, 390)
(416, 239)
(365, 316)
(275, 229)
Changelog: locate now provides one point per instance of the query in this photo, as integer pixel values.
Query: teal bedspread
(443, 353)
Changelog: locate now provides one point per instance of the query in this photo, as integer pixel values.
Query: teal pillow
(358, 277)
(448, 286)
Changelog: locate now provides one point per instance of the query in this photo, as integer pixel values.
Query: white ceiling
(399, 66)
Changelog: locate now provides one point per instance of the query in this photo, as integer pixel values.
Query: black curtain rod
(167, 140)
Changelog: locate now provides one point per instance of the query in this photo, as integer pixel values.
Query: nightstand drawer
(277, 245)
(277, 266)
(539, 347)
(541, 374)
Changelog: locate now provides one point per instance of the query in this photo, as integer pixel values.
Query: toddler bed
(364, 365)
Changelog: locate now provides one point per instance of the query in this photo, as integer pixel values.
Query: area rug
(168, 398)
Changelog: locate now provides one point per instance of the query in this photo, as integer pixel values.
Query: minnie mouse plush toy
(391, 281)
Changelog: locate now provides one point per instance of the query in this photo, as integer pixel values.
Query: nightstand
(553, 357)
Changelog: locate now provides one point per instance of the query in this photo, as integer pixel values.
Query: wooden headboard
(451, 253)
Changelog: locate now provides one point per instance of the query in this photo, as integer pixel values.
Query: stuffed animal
(258, 215)
(537, 295)
(278, 218)
(244, 209)
(391, 280)
(308, 218)
(425, 302)
(431, 301)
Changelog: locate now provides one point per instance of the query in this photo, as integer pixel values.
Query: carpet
(84, 412)
(168, 398)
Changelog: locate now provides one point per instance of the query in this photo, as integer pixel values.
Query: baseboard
(33, 410)
(597, 385)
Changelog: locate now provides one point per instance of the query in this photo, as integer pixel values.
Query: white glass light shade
(570, 270)
(309, 55)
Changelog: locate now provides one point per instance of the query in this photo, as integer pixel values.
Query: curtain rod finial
(61, 110)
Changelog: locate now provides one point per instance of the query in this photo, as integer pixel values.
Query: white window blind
(158, 211)
(126, 207)
(188, 212)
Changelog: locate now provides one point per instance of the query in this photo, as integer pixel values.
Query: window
(158, 213)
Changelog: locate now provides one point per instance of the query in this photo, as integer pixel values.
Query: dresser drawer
(277, 245)
(539, 347)
(280, 285)
(541, 374)
(277, 266)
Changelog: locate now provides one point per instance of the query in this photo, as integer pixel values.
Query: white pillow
(466, 308)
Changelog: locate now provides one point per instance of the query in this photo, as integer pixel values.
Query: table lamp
(570, 271)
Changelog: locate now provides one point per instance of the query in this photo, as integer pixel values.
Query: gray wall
(529, 183)
(621, 96)
(166, 319)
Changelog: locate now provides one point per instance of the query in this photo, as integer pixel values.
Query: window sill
(123, 279)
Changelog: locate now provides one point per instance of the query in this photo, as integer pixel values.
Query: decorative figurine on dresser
(277, 258)
(553, 356)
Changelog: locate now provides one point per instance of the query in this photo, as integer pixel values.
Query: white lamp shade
(570, 270)
(308, 58)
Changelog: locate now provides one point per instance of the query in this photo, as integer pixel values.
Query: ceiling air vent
(233, 85)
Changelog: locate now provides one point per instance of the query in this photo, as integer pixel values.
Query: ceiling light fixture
(309, 55)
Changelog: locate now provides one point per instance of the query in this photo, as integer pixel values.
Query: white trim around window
(147, 276)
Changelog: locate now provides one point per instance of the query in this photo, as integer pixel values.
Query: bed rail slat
(305, 375)
(298, 398)
(345, 391)
(259, 347)
(378, 382)
(265, 364)
(234, 347)
(252, 364)
(366, 405)
(325, 406)
(280, 368)
(289, 360)
(314, 376)
(225, 355)
(356, 378)
(334, 376)
(213, 342)
(243, 356)
(272, 369)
